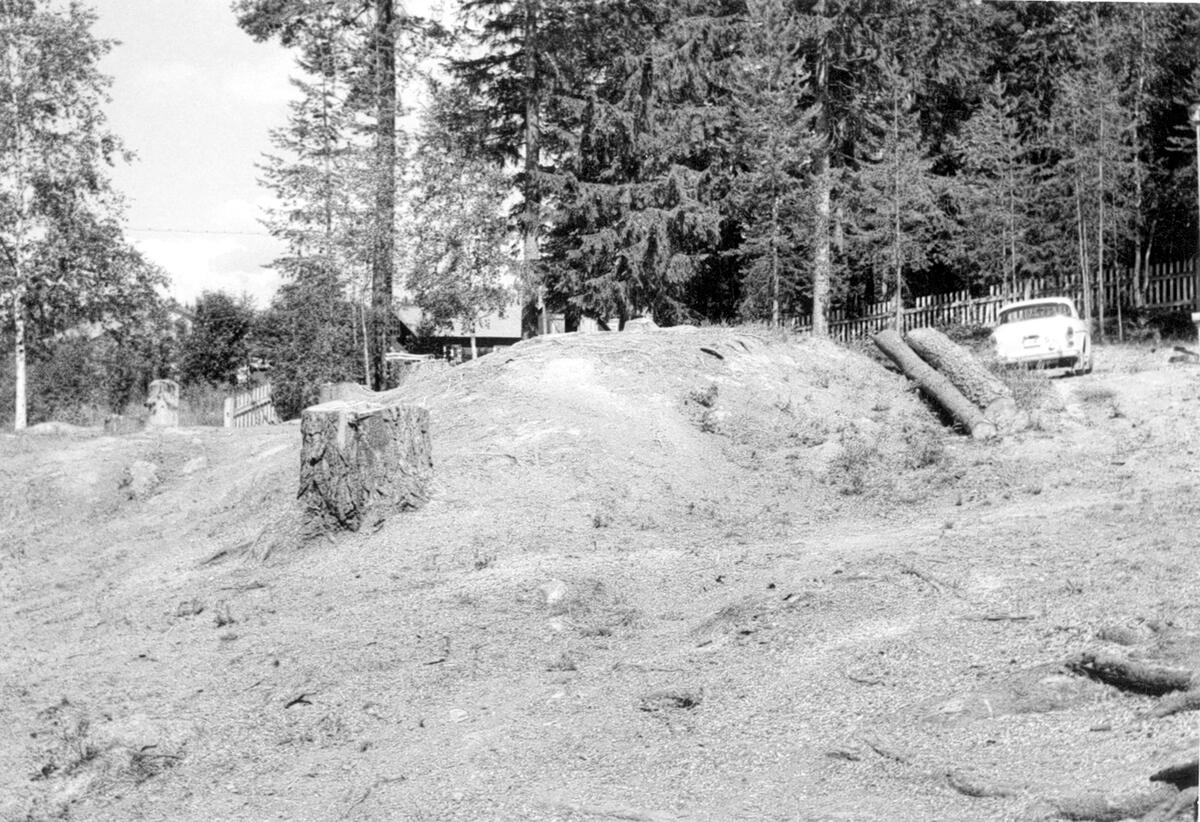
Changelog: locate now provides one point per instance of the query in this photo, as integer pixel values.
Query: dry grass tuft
(1030, 387)
(1095, 394)
(595, 609)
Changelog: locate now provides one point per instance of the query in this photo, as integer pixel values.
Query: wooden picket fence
(249, 408)
(1170, 285)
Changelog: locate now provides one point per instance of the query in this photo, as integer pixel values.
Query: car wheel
(1085, 360)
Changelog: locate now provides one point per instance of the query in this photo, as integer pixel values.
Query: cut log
(1177, 703)
(934, 384)
(1131, 675)
(1183, 774)
(967, 373)
(362, 459)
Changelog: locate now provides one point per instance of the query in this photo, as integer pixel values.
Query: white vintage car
(1044, 333)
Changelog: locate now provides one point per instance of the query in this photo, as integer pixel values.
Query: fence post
(229, 412)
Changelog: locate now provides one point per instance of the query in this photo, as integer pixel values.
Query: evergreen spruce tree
(771, 148)
(522, 78)
(996, 191)
(636, 218)
(376, 28)
(459, 262)
(1093, 138)
(897, 218)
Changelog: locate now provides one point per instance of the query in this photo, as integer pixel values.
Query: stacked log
(937, 386)
(362, 460)
(979, 385)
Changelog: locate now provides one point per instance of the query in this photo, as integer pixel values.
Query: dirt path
(747, 646)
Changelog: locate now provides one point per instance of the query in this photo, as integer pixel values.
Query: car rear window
(1035, 312)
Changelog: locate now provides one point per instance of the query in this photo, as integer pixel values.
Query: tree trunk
(776, 320)
(968, 375)
(362, 460)
(12, 64)
(822, 263)
(1132, 675)
(1085, 283)
(934, 384)
(1101, 297)
(897, 261)
(1139, 291)
(822, 274)
(531, 218)
(366, 346)
(383, 249)
(20, 419)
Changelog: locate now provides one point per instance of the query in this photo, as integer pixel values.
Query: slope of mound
(672, 417)
(662, 576)
(596, 500)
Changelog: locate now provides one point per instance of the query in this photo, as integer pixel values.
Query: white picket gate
(248, 408)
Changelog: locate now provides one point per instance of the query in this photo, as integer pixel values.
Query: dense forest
(690, 160)
(734, 159)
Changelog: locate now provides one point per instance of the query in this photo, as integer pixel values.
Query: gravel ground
(680, 575)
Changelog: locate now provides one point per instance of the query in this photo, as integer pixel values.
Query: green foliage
(218, 345)
(63, 259)
(712, 158)
(81, 379)
(771, 148)
(636, 218)
(458, 256)
(337, 176)
(310, 335)
(996, 190)
(897, 217)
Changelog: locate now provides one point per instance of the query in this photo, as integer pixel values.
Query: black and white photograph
(599, 411)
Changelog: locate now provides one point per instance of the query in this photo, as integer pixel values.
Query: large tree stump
(934, 384)
(961, 367)
(362, 460)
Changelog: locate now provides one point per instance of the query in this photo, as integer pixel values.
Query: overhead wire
(198, 231)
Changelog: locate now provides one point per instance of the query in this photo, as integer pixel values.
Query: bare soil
(702, 574)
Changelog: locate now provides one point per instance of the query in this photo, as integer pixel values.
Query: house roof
(489, 325)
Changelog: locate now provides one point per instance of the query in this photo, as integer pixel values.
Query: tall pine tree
(896, 205)
(771, 148)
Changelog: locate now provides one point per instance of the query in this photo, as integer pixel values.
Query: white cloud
(193, 263)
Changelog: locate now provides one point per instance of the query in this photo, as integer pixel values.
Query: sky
(195, 98)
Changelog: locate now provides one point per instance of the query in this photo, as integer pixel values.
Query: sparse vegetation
(595, 610)
(1095, 394)
(837, 543)
(1030, 387)
(856, 466)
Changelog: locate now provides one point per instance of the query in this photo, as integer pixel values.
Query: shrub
(970, 336)
(217, 346)
(310, 337)
(855, 461)
(202, 404)
(81, 381)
